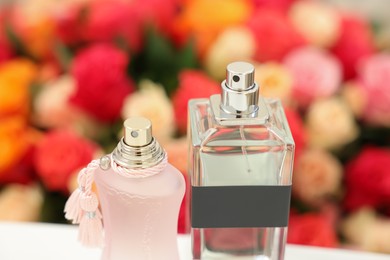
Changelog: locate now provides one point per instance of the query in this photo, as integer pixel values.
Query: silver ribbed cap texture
(138, 148)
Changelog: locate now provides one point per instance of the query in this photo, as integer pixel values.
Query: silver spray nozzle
(138, 131)
(138, 148)
(240, 94)
(240, 76)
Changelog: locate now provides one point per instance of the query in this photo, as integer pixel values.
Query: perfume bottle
(140, 195)
(240, 165)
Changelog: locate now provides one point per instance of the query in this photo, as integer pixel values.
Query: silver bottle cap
(240, 94)
(240, 76)
(138, 131)
(138, 148)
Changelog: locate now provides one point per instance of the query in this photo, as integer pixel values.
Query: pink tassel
(72, 207)
(91, 230)
(91, 227)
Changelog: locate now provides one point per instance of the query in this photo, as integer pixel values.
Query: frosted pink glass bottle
(140, 213)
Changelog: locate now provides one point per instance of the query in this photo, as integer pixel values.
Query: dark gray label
(240, 206)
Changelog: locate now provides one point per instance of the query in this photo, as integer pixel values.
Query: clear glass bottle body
(140, 214)
(239, 154)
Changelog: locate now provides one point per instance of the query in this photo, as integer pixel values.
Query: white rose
(150, 101)
(330, 124)
(233, 44)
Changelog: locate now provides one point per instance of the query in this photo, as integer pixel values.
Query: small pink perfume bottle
(140, 195)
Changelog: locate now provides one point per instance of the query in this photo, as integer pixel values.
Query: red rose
(274, 34)
(298, 131)
(22, 172)
(311, 229)
(58, 155)
(354, 44)
(113, 20)
(367, 179)
(159, 13)
(6, 51)
(192, 84)
(101, 81)
(70, 25)
(282, 5)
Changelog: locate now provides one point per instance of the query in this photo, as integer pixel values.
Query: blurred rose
(367, 231)
(58, 155)
(15, 139)
(330, 124)
(6, 51)
(113, 20)
(272, 42)
(374, 80)
(354, 44)
(158, 13)
(23, 171)
(53, 110)
(318, 22)
(224, 50)
(311, 229)
(274, 81)
(51, 104)
(101, 81)
(200, 20)
(192, 84)
(317, 175)
(36, 33)
(355, 98)
(367, 179)
(151, 102)
(20, 203)
(70, 24)
(282, 5)
(297, 130)
(315, 73)
(177, 153)
(15, 78)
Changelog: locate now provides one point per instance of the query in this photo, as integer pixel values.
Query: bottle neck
(242, 103)
(138, 157)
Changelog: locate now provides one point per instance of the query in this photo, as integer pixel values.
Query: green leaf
(161, 62)
(63, 54)
(17, 43)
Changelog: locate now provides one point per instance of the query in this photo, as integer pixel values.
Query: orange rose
(15, 76)
(205, 19)
(15, 139)
(36, 33)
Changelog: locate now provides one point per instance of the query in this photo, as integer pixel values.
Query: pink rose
(354, 44)
(315, 72)
(374, 79)
(272, 42)
(58, 155)
(101, 81)
(317, 176)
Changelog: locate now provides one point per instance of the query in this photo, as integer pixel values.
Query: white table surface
(30, 241)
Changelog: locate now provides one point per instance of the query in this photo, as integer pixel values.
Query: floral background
(72, 71)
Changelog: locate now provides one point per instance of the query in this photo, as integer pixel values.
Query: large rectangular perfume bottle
(240, 165)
